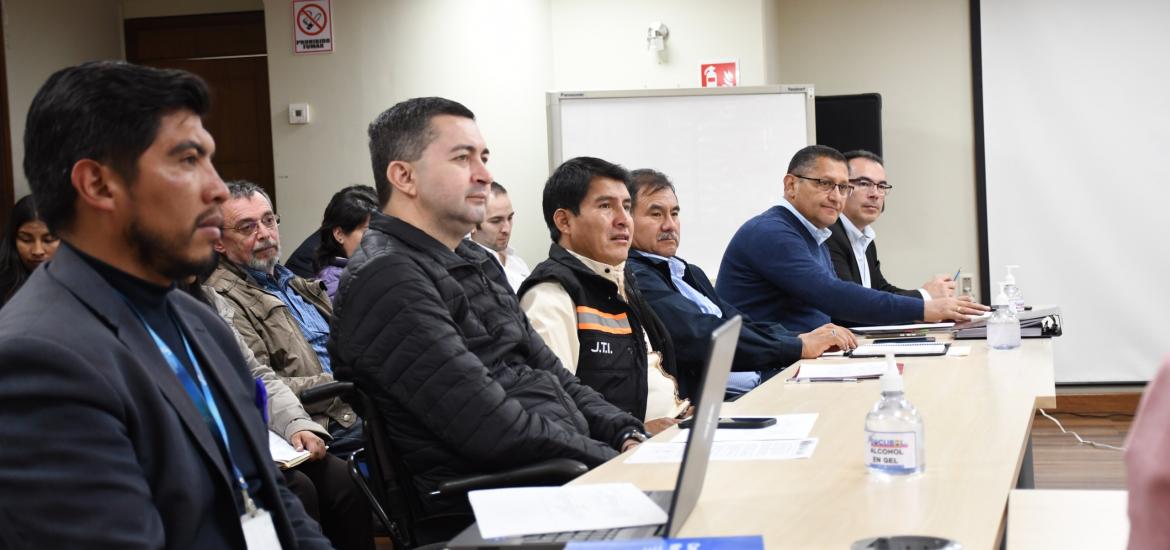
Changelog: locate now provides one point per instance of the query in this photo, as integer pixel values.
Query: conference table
(977, 412)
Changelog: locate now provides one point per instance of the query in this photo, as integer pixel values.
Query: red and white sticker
(719, 74)
(312, 26)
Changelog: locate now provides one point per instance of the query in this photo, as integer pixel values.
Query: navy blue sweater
(762, 346)
(773, 270)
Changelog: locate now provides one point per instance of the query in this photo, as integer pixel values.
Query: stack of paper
(284, 454)
(509, 512)
(786, 439)
(900, 348)
(820, 371)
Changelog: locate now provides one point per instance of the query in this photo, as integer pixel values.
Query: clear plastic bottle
(894, 442)
(1003, 327)
(1015, 296)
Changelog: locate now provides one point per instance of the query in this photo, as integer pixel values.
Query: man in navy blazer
(683, 297)
(852, 246)
(776, 267)
(127, 415)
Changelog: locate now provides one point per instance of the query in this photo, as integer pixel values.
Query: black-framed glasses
(827, 186)
(881, 187)
(249, 228)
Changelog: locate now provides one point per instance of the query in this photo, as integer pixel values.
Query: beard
(264, 266)
(162, 254)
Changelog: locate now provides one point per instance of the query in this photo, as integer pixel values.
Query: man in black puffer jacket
(420, 322)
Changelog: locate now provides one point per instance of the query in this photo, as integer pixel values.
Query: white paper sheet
(787, 426)
(904, 328)
(818, 370)
(959, 351)
(777, 449)
(282, 451)
(533, 510)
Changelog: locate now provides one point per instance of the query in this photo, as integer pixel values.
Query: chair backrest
(392, 485)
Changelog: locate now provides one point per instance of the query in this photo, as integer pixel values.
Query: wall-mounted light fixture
(656, 40)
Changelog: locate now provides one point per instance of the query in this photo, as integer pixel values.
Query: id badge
(259, 532)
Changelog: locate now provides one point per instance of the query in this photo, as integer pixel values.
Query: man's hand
(828, 337)
(941, 286)
(659, 424)
(306, 440)
(630, 444)
(951, 309)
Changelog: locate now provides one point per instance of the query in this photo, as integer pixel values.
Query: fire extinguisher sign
(719, 74)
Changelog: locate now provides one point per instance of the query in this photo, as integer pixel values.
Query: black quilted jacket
(463, 382)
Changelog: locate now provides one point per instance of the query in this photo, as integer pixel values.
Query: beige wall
(42, 36)
(916, 53)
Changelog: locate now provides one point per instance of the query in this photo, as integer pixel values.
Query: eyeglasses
(249, 228)
(882, 187)
(827, 186)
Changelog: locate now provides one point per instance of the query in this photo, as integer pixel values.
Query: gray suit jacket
(100, 446)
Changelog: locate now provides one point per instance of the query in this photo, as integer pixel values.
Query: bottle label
(893, 452)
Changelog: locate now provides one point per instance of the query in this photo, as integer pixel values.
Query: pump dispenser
(895, 445)
(1015, 297)
(1003, 327)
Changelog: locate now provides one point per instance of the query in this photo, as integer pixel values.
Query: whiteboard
(725, 149)
(1076, 125)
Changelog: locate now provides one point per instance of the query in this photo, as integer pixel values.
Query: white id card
(259, 533)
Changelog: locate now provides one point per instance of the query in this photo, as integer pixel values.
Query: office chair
(392, 496)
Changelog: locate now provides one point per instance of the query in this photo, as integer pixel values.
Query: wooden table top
(977, 412)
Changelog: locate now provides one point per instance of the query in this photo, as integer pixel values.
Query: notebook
(901, 349)
(691, 471)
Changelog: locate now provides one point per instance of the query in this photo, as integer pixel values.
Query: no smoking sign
(312, 26)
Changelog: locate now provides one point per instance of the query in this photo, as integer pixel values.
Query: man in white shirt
(496, 231)
(852, 247)
(584, 305)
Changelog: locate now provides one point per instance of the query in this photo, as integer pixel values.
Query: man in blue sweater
(684, 298)
(776, 268)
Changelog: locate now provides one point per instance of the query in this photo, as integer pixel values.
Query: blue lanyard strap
(200, 395)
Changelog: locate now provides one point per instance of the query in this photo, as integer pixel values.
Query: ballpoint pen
(957, 271)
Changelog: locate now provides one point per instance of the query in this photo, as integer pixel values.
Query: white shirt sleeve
(925, 295)
(550, 310)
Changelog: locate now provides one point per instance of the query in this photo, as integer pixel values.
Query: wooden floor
(1061, 463)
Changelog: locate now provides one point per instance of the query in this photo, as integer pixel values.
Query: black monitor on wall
(848, 122)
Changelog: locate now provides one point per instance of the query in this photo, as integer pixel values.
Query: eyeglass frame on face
(883, 188)
(827, 186)
(250, 227)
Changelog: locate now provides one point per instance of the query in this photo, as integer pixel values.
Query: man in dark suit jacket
(684, 298)
(853, 236)
(128, 417)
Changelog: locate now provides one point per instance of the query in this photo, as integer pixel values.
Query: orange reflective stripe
(605, 329)
(616, 317)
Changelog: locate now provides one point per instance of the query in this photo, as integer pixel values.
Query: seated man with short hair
(453, 366)
(686, 301)
(585, 306)
(283, 318)
(852, 246)
(496, 231)
(777, 268)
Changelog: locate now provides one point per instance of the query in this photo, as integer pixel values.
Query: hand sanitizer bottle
(893, 430)
(1003, 327)
(1015, 297)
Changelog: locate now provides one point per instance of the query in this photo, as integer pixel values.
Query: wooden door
(229, 52)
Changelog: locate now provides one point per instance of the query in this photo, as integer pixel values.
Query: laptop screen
(693, 469)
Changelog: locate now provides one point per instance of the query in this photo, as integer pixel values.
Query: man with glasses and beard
(777, 269)
(128, 417)
(283, 318)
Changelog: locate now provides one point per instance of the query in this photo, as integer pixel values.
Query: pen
(814, 380)
(957, 271)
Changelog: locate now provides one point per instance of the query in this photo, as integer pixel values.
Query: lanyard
(202, 397)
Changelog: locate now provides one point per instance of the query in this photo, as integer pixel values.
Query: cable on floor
(1081, 441)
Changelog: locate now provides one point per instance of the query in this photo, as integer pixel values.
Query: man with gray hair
(283, 318)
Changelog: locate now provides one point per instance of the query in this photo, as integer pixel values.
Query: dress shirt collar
(614, 273)
(856, 235)
(821, 235)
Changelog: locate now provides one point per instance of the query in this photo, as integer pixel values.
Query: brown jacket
(274, 335)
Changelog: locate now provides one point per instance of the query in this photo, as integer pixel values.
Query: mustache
(264, 245)
(667, 236)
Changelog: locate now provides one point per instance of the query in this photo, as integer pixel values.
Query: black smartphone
(735, 423)
(914, 340)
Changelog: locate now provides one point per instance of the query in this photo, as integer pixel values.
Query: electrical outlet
(298, 113)
(967, 285)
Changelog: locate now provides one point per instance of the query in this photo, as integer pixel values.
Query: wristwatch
(635, 434)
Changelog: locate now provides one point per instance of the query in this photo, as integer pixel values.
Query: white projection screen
(1076, 103)
(725, 149)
